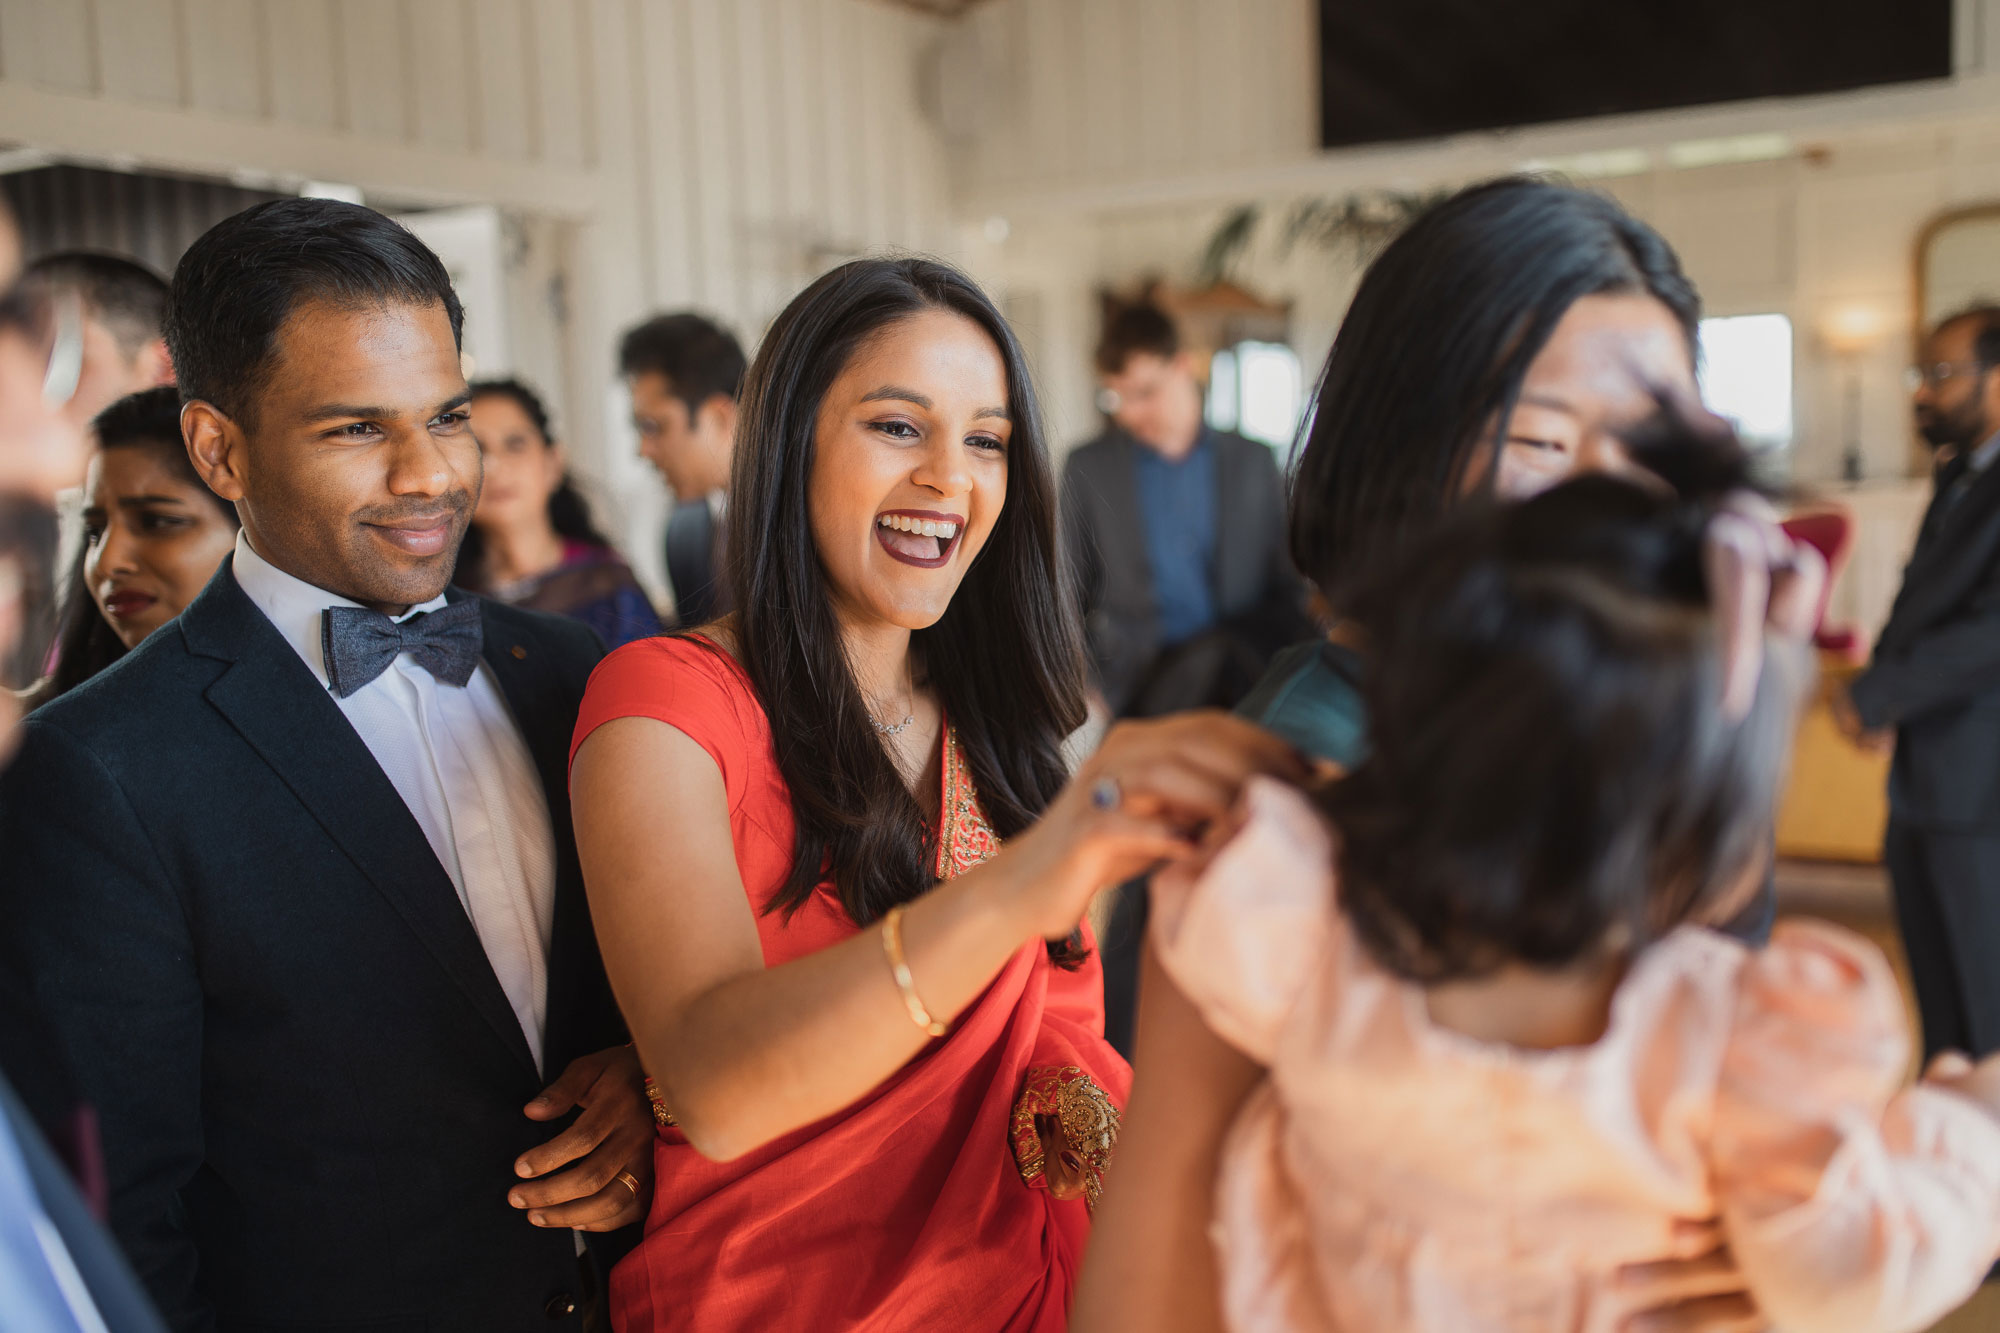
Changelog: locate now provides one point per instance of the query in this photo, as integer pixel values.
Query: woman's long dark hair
(1006, 658)
(1437, 342)
(85, 641)
(569, 512)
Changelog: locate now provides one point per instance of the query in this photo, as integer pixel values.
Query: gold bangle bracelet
(899, 968)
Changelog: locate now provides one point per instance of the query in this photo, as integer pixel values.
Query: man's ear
(718, 414)
(216, 448)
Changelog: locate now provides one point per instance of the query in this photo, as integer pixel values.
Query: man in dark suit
(685, 375)
(1177, 535)
(295, 883)
(1935, 679)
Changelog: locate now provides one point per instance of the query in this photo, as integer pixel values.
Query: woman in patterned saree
(885, 1096)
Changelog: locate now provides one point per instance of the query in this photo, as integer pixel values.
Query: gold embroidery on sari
(1064, 1109)
(965, 837)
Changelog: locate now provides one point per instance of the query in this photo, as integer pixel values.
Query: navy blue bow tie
(360, 644)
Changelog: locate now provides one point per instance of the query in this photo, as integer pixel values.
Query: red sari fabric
(906, 1210)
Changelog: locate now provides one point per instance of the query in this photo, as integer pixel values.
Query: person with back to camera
(60, 1269)
(122, 338)
(1485, 1051)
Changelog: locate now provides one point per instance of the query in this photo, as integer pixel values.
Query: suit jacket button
(560, 1306)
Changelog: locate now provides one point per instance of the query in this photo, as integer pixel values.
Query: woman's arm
(744, 1054)
(1150, 1265)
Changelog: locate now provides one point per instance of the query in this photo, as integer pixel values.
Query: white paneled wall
(663, 153)
(1101, 94)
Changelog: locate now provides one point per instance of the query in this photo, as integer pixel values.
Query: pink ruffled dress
(1392, 1175)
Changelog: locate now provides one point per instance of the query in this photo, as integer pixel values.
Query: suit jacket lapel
(294, 725)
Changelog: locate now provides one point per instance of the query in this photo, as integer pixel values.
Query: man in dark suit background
(295, 882)
(1935, 680)
(1177, 535)
(685, 375)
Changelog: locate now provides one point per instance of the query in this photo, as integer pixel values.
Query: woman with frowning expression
(837, 866)
(153, 537)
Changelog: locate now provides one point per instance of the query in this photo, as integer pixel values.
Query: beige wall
(1123, 129)
(714, 153)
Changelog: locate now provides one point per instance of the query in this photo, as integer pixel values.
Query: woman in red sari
(876, 1032)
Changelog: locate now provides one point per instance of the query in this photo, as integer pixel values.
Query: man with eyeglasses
(1934, 688)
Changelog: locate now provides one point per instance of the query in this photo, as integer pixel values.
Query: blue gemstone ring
(1105, 794)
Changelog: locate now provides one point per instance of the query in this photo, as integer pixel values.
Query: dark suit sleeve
(96, 926)
(1080, 541)
(1949, 663)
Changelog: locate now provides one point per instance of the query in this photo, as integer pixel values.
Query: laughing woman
(879, 1033)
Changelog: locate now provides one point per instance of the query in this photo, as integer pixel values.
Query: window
(1257, 390)
(1746, 375)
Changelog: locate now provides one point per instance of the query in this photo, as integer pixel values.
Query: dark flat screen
(1411, 69)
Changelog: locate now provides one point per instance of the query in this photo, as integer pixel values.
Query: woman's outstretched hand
(1142, 799)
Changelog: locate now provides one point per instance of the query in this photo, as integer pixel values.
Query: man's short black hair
(122, 294)
(237, 285)
(1136, 330)
(1985, 320)
(698, 357)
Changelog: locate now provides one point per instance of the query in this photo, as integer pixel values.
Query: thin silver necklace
(888, 730)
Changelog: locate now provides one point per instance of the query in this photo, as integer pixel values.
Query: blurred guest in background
(532, 542)
(124, 305)
(153, 536)
(685, 374)
(1935, 681)
(60, 1271)
(295, 882)
(1175, 530)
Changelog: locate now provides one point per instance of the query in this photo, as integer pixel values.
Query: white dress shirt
(458, 761)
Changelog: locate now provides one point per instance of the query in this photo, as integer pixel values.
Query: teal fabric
(1311, 696)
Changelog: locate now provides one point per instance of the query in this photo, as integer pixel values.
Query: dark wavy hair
(569, 512)
(242, 278)
(1437, 342)
(85, 641)
(1550, 761)
(1006, 658)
